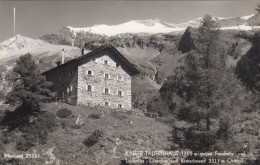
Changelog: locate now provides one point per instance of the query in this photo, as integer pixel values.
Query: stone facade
(108, 82)
(102, 77)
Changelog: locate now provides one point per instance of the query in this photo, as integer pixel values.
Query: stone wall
(98, 83)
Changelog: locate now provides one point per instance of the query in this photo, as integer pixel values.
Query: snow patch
(240, 27)
(247, 17)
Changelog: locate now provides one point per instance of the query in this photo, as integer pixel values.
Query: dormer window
(105, 62)
(117, 65)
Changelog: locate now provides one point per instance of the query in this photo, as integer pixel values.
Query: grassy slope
(122, 132)
(141, 58)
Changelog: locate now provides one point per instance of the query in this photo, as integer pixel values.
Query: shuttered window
(106, 91)
(106, 76)
(89, 88)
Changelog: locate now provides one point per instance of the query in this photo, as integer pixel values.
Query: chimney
(63, 56)
(58, 63)
(84, 51)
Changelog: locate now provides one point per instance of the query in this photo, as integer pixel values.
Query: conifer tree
(29, 87)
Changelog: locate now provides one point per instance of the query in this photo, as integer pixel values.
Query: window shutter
(71, 88)
(104, 90)
(122, 78)
(86, 87)
(92, 73)
(123, 93)
(93, 88)
(109, 76)
(117, 78)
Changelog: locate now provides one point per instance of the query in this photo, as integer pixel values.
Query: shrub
(63, 113)
(24, 145)
(199, 140)
(14, 119)
(157, 104)
(39, 130)
(95, 116)
(93, 138)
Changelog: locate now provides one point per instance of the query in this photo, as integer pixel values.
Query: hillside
(122, 132)
(155, 56)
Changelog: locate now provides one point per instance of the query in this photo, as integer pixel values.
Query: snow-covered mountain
(136, 26)
(19, 42)
(154, 26)
(11, 49)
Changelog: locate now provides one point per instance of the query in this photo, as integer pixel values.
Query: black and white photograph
(130, 82)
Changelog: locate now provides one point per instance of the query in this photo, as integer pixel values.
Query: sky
(36, 18)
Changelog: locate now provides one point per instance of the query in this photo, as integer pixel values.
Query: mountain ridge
(154, 26)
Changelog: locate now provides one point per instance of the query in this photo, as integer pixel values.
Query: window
(120, 78)
(119, 106)
(106, 104)
(89, 88)
(117, 65)
(119, 93)
(106, 76)
(106, 91)
(89, 73)
(105, 62)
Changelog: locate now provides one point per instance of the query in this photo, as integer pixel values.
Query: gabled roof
(125, 64)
